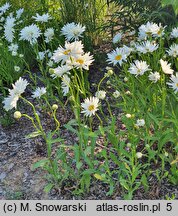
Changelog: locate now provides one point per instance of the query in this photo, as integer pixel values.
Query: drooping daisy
(4, 8)
(30, 33)
(43, 18)
(19, 13)
(90, 106)
(39, 92)
(9, 29)
(60, 71)
(138, 67)
(72, 31)
(83, 61)
(117, 38)
(166, 68)
(70, 50)
(146, 47)
(154, 76)
(174, 33)
(173, 50)
(100, 94)
(14, 94)
(116, 56)
(65, 84)
(49, 33)
(174, 82)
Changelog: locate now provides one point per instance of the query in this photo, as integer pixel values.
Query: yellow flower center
(118, 57)
(80, 61)
(177, 84)
(66, 52)
(91, 107)
(159, 32)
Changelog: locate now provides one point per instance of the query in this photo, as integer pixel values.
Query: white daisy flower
(154, 76)
(60, 71)
(41, 55)
(116, 94)
(146, 47)
(174, 33)
(139, 155)
(39, 92)
(65, 84)
(70, 50)
(19, 13)
(13, 47)
(140, 122)
(30, 33)
(14, 53)
(127, 50)
(100, 94)
(83, 61)
(9, 29)
(117, 56)
(14, 94)
(174, 83)
(166, 68)
(173, 50)
(72, 31)
(90, 106)
(49, 33)
(4, 8)
(117, 38)
(43, 18)
(138, 67)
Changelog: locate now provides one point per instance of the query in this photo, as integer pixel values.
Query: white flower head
(72, 31)
(60, 71)
(82, 61)
(166, 68)
(117, 38)
(4, 8)
(174, 82)
(116, 94)
(174, 33)
(138, 67)
(43, 18)
(17, 68)
(39, 92)
(100, 94)
(139, 155)
(13, 47)
(70, 51)
(117, 56)
(65, 84)
(146, 47)
(173, 50)
(19, 13)
(9, 29)
(154, 76)
(140, 122)
(90, 106)
(49, 33)
(30, 33)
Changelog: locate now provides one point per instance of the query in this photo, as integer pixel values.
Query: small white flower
(100, 94)
(126, 79)
(116, 94)
(17, 115)
(19, 13)
(30, 33)
(60, 71)
(139, 155)
(140, 122)
(128, 115)
(117, 38)
(117, 56)
(154, 76)
(39, 92)
(166, 68)
(65, 84)
(13, 47)
(82, 61)
(21, 55)
(72, 31)
(14, 53)
(4, 8)
(9, 29)
(146, 47)
(43, 18)
(41, 55)
(50, 63)
(90, 106)
(173, 50)
(138, 67)
(17, 68)
(49, 33)
(174, 82)
(174, 33)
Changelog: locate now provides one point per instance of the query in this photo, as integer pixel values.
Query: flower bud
(54, 106)
(128, 115)
(125, 79)
(17, 115)
(139, 155)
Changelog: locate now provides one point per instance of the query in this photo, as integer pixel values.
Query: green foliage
(174, 3)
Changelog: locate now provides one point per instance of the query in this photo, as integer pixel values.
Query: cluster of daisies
(146, 43)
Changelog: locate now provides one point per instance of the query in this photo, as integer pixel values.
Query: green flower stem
(32, 120)
(57, 122)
